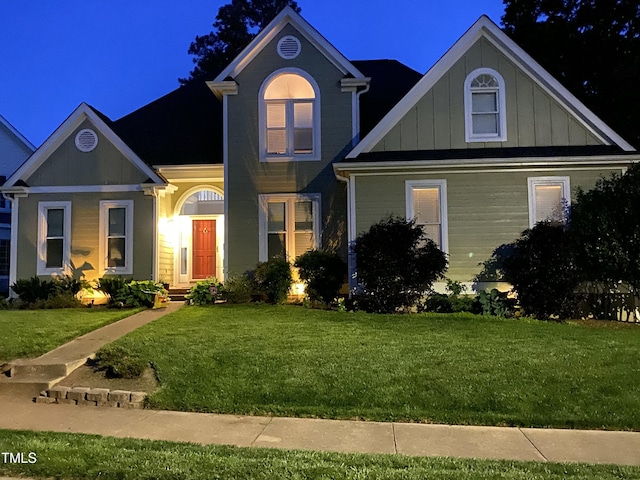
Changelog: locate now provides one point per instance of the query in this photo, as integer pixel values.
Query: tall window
(289, 119)
(289, 225)
(484, 104)
(427, 204)
(549, 198)
(116, 236)
(54, 237)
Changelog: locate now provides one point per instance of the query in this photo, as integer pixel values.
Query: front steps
(178, 294)
(27, 378)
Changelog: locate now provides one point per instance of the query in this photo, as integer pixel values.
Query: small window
(116, 236)
(5, 249)
(290, 119)
(484, 104)
(427, 204)
(54, 242)
(289, 225)
(549, 198)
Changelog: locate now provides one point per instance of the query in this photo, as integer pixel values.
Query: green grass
(457, 369)
(73, 456)
(31, 333)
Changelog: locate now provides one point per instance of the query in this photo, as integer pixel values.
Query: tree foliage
(235, 25)
(396, 265)
(591, 46)
(323, 273)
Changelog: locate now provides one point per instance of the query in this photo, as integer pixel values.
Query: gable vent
(86, 140)
(289, 47)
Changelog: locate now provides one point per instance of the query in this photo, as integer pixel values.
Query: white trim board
(485, 28)
(66, 129)
(285, 17)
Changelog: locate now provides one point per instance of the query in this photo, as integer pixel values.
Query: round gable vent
(289, 47)
(86, 140)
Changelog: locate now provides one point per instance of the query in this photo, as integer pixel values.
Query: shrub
(496, 303)
(69, 285)
(111, 286)
(323, 273)
(117, 362)
(61, 300)
(273, 279)
(238, 289)
(396, 265)
(139, 293)
(543, 272)
(205, 292)
(438, 303)
(33, 289)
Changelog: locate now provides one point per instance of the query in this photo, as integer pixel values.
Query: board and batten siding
(85, 228)
(437, 121)
(484, 210)
(247, 177)
(105, 165)
(166, 239)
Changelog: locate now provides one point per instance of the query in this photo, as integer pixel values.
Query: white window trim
(262, 119)
(263, 228)
(441, 185)
(471, 137)
(43, 207)
(532, 182)
(105, 205)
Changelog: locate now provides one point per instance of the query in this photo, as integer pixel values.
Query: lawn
(457, 369)
(73, 456)
(31, 333)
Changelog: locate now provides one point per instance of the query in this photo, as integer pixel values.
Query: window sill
(118, 271)
(284, 158)
(487, 138)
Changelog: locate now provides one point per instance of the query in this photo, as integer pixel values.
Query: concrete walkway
(29, 377)
(542, 445)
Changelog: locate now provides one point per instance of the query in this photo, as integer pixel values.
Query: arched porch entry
(199, 251)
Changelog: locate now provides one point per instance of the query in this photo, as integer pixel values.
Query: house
(293, 147)
(14, 150)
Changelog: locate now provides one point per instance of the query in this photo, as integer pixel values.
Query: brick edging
(95, 397)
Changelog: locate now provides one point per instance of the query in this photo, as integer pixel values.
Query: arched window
(290, 118)
(484, 105)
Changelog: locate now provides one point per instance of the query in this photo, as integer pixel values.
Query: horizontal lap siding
(485, 210)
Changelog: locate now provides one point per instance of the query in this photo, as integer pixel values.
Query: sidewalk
(507, 443)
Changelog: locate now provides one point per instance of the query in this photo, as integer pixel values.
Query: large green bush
(323, 273)
(139, 293)
(238, 288)
(111, 286)
(205, 292)
(396, 265)
(273, 279)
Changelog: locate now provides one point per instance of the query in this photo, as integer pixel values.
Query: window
(116, 236)
(484, 105)
(290, 118)
(54, 242)
(549, 198)
(289, 225)
(5, 249)
(427, 203)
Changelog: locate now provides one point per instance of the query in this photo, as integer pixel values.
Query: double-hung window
(54, 237)
(549, 198)
(485, 107)
(427, 204)
(289, 119)
(289, 225)
(116, 236)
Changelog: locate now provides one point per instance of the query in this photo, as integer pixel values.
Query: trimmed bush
(273, 279)
(238, 289)
(396, 265)
(205, 292)
(323, 273)
(117, 362)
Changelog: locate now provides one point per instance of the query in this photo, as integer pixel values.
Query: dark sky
(118, 55)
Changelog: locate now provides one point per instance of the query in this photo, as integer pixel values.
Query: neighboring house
(14, 150)
(301, 148)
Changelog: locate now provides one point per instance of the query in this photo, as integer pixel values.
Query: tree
(591, 46)
(396, 265)
(236, 24)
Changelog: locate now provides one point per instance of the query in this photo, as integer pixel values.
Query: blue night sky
(120, 55)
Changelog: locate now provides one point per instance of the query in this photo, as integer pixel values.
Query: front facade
(294, 147)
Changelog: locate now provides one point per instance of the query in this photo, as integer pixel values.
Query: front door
(204, 248)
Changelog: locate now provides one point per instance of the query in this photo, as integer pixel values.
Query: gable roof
(102, 123)
(285, 17)
(16, 133)
(485, 28)
(183, 127)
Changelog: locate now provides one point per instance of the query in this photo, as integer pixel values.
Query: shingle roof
(182, 128)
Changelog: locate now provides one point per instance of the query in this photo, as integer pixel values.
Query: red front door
(204, 248)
